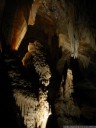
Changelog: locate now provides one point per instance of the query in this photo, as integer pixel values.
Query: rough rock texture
(34, 111)
(74, 24)
(36, 57)
(70, 23)
(67, 111)
(31, 105)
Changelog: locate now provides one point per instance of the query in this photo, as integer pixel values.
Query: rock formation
(57, 39)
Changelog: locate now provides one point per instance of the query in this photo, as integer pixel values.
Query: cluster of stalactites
(34, 112)
(74, 40)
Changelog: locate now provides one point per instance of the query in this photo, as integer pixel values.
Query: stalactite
(63, 42)
(84, 60)
(35, 112)
(22, 101)
(87, 36)
(66, 52)
(73, 37)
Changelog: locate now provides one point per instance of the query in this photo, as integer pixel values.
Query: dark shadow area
(7, 106)
(75, 67)
(52, 122)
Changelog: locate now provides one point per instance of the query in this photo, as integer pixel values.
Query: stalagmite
(65, 107)
(68, 86)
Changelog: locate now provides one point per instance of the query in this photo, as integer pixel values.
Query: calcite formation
(36, 57)
(34, 112)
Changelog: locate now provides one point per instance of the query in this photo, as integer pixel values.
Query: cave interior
(47, 63)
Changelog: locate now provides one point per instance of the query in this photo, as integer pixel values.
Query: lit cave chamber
(47, 63)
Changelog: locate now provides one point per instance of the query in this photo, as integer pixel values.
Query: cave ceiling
(74, 23)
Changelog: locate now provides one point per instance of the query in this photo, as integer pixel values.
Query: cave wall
(15, 19)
